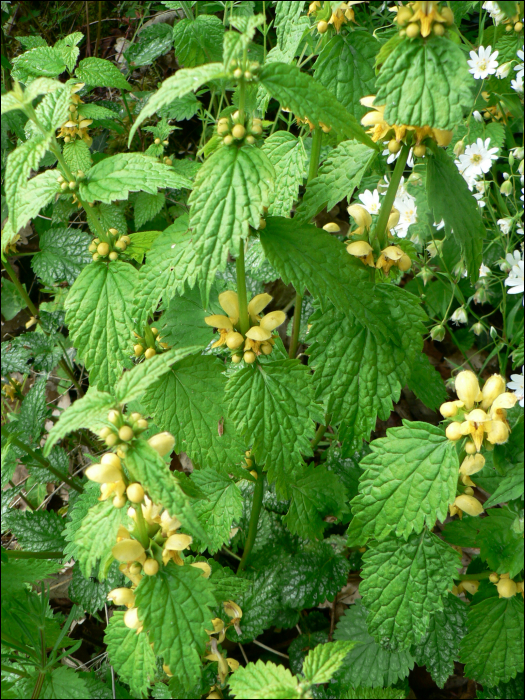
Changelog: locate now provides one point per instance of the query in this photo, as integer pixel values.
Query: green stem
(18, 554)
(319, 433)
(254, 519)
(142, 527)
(317, 140)
(38, 686)
(45, 464)
(388, 200)
(473, 577)
(244, 320)
(9, 669)
(186, 8)
(242, 100)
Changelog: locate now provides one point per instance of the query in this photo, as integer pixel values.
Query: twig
(263, 646)
(243, 652)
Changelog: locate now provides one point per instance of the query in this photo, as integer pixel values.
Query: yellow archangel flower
(362, 250)
(344, 13)
(389, 256)
(234, 611)
(173, 546)
(426, 13)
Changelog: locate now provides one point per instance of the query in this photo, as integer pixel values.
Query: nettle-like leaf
(287, 154)
(365, 693)
(368, 663)
(492, 651)
(175, 607)
(409, 480)
(230, 192)
(198, 40)
(439, 648)
(279, 423)
(337, 178)
(425, 83)
(451, 201)
(98, 314)
(346, 67)
(63, 255)
(163, 486)
(264, 680)
(500, 546)
(322, 662)
(190, 402)
(511, 690)
(219, 508)
(115, 177)
(98, 72)
(509, 456)
(147, 206)
(307, 98)
(130, 654)
(77, 155)
(426, 382)
(16, 573)
(154, 41)
(40, 531)
(357, 374)
(403, 586)
(40, 61)
(20, 162)
(183, 322)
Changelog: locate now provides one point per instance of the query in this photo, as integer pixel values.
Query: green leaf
(147, 206)
(439, 648)
(323, 661)
(500, 546)
(198, 40)
(512, 690)
(230, 192)
(93, 541)
(63, 255)
(264, 680)
(141, 242)
(287, 14)
(89, 593)
(183, 322)
(190, 402)
(336, 179)
(154, 41)
(307, 98)
(33, 413)
(368, 663)
(115, 177)
(77, 155)
(509, 488)
(492, 651)
(451, 201)
(403, 586)
(316, 493)
(357, 375)
(95, 111)
(279, 424)
(98, 72)
(426, 382)
(90, 411)
(181, 108)
(226, 585)
(184, 81)
(130, 654)
(98, 314)
(175, 608)
(12, 302)
(20, 162)
(426, 83)
(63, 682)
(40, 61)
(40, 531)
(31, 42)
(68, 49)
(52, 111)
(163, 486)
(29, 198)
(17, 572)
(409, 480)
(346, 67)
(286, 153)
(509, 457)
(220, 507)
(363, 693)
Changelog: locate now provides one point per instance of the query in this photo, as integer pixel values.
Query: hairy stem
(254, 518)
(244, 320)
(380, 231)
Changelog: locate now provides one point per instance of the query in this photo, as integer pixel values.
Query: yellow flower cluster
(232, 130)
(341, 15)
(234, 612)
(422, 18)
(123, 429)
(116, 244)
(258, 338)
(75, 126)
(507, 588)
(148, 344)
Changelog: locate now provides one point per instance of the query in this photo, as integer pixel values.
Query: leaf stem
(142, 527)
(473, 577)
(254, 518)
(388, 200)
(319, 433)
(244, 320)
(19, 554)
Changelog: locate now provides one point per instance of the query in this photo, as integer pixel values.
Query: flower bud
(322, 27)
(163, 443)
(467, 481)
(469, 586)
(438, 333)
(404, 14)
(135, 493)
(438, 29)
(454, 431)
(121, 245)
(506, 188)
(393, 219)
(467, 387)
(103, 249)
(119, 501)
(449, 408)
(249, 357)
(470, 448)
(234, 340)
(359, 249)
(126, 433)
(506, 588)
(178, 542)
(505, 400)
(236, 359)
(413, 30)
(459, 316)
(113, 416)
(131, 618)
(459, 148)
(420, 150)
(150, 567)
(127, 550)
(223, 129)
(498, 432)
(332, 227)
(266, 349)
(394, 146)
(250, 140)
(232, 609)
(122, 596)
(150, 352)
(469, 504)
(404, 263)
(204, 566)
(493, 387)
(138, 350)
(142, 424)
(238, 131)
(111, 440)
(472, 464)
(494, 578)
(228, 140)
(111, 459)
(469, 491)
(103, 473)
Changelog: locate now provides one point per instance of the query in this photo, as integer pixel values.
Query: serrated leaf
(38, 531)
(509, 488)
(451, 201)
(190, 402)
(512, 690)
(324, 660)
(20, 162)
(198, 40)
(404, 584)
(40, 61)
(426, 383)
(509, 457)
(147, 206)
(63, 255)
(32, 196)
(183, 322)
(364, 693)
(68, 49)
(492, 651)
(357, 375)
(77, 155)
(368, 663)
(17, 572)
(131, 655)
(141, 242)
(308, 98)
(90, 594)
(500, 546)
(279, 424)
(98, 314)
(175, 608)
(52, 111)
(90, 411)
(264, 680)
(98, 72)
(184, 81)
(346, 67)
(440, 85)
(230, 192)
(220, 507)
(286, 153)
(33, 413)
(439, 648)
(154, 41)
(315, 493)
(226, 585)
(163, 486)
(337, 178)
(63, 682)
(181, 108)
(409, 480)
(287, 15)
(115, 177)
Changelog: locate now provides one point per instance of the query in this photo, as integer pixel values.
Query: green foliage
(425, 381)
(287, 155)
(264, 680)
(39, 531)
(198, 40)
(63, 255)
(131, 654)
(154, 41)
(16, 573)
(219, 508)
(98, 72)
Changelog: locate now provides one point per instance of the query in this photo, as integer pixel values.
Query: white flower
(484, 271)
(439, 226)
(407, 209)
(520, 230)
(517, 85)
(477, 115)
(370, 201)
(519, 67)
(459, 316)
(495, 13)
(505, 225)
(503, 70)
(477, 158)
(483, 63)
(516, 278)
(394, 156)
(517, 385)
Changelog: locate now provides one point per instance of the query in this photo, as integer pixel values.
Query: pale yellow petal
(218, 321)
(258, 333)
(273, 320)
(258, 303)
(230, 303)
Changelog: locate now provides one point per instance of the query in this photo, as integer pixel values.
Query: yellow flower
(234, 612)
(426, 14)
(362, 218)
(173, 545)
(468, 504)
(362, 250)
(389, 256)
